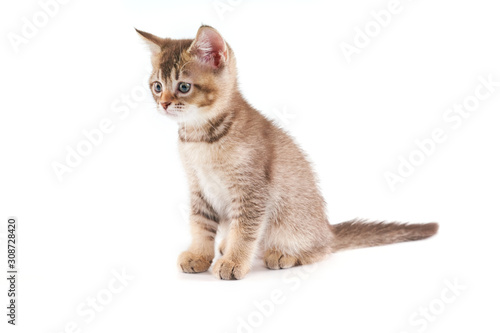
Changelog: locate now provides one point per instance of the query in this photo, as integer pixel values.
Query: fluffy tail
(360, 233)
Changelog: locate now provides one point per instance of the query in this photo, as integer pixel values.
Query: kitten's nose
(165, 105)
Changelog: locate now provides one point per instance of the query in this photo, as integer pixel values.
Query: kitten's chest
(214, 186)
(211, 172)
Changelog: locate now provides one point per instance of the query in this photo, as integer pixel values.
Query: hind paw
(278, 260)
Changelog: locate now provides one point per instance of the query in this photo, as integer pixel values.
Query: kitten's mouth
(170, 110)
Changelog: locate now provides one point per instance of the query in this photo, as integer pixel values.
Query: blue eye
(157, 87)
(184, 87)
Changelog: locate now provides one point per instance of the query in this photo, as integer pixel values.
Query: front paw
(193, 263)
(226, 269)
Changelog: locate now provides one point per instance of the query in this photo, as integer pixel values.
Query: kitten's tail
(360, 233)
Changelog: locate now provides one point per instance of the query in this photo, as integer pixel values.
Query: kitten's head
(192, 78)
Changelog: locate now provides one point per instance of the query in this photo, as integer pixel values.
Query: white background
(124, 205)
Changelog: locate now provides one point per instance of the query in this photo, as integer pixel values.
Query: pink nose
(165, 105)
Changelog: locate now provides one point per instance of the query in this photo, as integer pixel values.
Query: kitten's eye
(184, 87)
(157, 87)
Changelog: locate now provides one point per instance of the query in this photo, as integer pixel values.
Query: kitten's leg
(241, 245)
(284, 248)
(292, 241)
(204, 223)
(242, 240)
(222, 246)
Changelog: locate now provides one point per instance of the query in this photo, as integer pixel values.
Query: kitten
(248, 179)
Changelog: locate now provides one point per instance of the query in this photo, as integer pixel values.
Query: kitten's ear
(153, 42)
(209, 47)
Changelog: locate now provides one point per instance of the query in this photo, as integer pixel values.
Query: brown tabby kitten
(248, 179)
